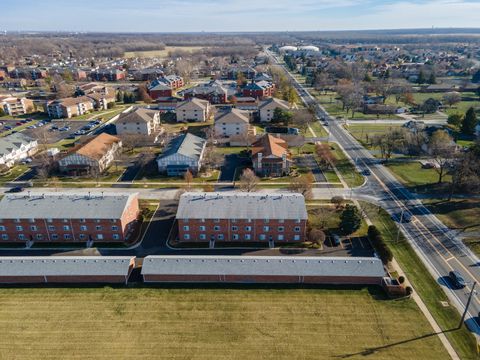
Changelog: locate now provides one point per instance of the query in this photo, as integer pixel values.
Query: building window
(98, 227)
(262, 236)
(280, 237)
(67, 236)
(97, 220)
(4, 237)
(51, 228)
(113, 220)
(39, 236)
(186, 236)
(235, 236)
(266, 228)
(32, 220)
(33, 228)
(54, 236)
(234, 228)
(216, 220)
(202, 228)
(248, 228)
(202, 237)
(186, 228)
(65, 220)
(2, 228)
(297, 221)
(21, 236)
(99, 236)
(297, 229)
(216, 228)
(248, 236)
(249, 220)
(233, 220)
(49, 220)
(281, 228)
(19, 228)
(66, 228)
(220, 237)
(266, 221)
(202, 220)
(82, 220)
(83, 228)
(82, 236)
(116, 237)
(296, 237)
(16, 220)
(114, 228)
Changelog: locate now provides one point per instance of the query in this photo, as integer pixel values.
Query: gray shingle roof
(13, 142)
(240, 205)
(137, 115)
(263, 265)
(188, 145)
(64, 206)
(64, 265)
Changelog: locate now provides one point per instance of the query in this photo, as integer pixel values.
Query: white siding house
(15, 147)
(234, 122)
(193, 110)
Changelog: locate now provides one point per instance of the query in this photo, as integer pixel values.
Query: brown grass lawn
(141, 323)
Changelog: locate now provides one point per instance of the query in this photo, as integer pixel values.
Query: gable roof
(269, 145)
(193, 103)
(13, 142)
(187, 145)
(241, 205)
(137, 115)
(71, 101)
(97, 147)
(232, 116)
(273, 103)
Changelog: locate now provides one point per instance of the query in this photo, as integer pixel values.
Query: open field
(107, 323)
(411, 173)
(461, 215)
(161, 53)
(365, 132)
(425, 285)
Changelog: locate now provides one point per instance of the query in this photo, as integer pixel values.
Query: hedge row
(378, 242)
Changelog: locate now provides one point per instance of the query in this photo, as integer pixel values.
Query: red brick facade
(71, 230)
(196, 230)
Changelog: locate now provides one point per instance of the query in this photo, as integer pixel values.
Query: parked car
(15, 189)
(367, 172)
(457, 280)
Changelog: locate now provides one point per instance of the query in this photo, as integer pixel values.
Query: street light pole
(399, 224)
(467, 305)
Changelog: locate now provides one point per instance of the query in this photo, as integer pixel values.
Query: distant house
(139, 121)
(193, 109)
(259, 89)
(69, 107)
(16, 147)
(147, 74)
(270, 156)
(15, 106)
(214, 92)
(183, 153)
(101, 96)
(93, 157)
(246, 103)
(268, 106)
(107, 75)
(165, 86)
(233, 122)
(247, 71)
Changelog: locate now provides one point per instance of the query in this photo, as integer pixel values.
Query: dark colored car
(457, 280)
(15, 189)
(367, 172)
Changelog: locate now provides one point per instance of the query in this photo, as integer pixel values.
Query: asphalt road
(435, 244)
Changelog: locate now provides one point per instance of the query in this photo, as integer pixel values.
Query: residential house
(15, 106)
(267, 108)
(233, 122)
(246, 103)
(68, 217)
(139, 121)
(270, 156)
(247, 71)
(165, 86)
(69, 107)
(16, 147)
(182, 153)
(214, 92)
(259, 89)
(93, 157)
(239, 216)
(107, 75)
(193, 109)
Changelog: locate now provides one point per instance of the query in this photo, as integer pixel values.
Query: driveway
(230, 164)
(309, 162)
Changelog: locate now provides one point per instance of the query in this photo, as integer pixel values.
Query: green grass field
(425, 285)
(411, 173)
(136, 323)
(346, 168)
(365, 132)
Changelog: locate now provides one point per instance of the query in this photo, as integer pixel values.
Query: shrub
(317, 236)
(350, 220)
(337, 201)
(401, 279)
(379, 244)
(409, 290)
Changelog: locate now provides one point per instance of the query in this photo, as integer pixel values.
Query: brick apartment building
(62, 217)
(259, 90)
(241, 217)
(165, 86)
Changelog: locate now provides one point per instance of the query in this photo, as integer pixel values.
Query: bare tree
(452, 98)
(248, 181)
(188, 178)
(442, 150)
(303, 184)
(325, 156)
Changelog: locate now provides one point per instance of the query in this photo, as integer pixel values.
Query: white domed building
(287, 48)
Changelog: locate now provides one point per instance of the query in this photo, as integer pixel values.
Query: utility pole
(398, 227)
(467, 305)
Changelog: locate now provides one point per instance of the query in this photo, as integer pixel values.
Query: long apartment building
(15, 106)
(67, 217)
(69, 107)
(241, 217)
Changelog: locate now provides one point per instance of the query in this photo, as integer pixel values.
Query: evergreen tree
(350, 220)
(421, 78)
(119, 96)
(432, 79)
(469, 122)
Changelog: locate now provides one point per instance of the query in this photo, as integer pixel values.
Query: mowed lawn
(140, 323)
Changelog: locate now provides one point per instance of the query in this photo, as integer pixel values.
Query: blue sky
(235, 15)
